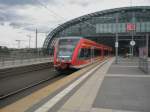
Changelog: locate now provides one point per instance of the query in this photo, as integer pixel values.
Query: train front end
(63, 53)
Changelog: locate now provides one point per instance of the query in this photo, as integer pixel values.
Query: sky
(20, 18)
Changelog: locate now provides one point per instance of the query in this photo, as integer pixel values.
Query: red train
(77, 52)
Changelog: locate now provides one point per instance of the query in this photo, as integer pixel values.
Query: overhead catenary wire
(57, 15)
(50, 11)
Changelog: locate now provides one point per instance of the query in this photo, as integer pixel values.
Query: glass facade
(106, 23)
(103, 23)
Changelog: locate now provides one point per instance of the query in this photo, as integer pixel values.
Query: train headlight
(57, 59)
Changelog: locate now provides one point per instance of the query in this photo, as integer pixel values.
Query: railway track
(50, 75)
(26, 87)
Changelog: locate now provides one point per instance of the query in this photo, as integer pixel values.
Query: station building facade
(129, 23)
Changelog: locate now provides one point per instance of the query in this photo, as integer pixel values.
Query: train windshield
(66, 48)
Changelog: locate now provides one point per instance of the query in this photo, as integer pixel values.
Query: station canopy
(102, 26)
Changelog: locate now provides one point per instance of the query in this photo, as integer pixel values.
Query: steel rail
(27, 87)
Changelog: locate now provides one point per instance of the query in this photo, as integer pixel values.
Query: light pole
(36, 32)
(29, 40)
(131, 3)
(19, 41)
(133, 31)
(132, 47)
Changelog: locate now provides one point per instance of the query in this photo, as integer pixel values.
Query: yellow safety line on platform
(26, 102)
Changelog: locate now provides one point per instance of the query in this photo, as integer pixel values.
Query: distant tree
(4, 50)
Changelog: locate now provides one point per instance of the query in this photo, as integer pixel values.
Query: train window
(97, 52)
(84, 53)
(105, 52)
(87, 53)
(81, 53)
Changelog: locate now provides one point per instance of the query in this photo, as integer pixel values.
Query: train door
(92, 53)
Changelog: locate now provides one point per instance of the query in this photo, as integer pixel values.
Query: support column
(147, 61)
(147, 43)
(116, 43)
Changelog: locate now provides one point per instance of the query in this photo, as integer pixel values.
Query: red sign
(131, 27)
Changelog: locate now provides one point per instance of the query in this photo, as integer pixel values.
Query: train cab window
(66, 47)
(68, 42)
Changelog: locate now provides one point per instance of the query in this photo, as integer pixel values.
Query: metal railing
(18, 58)
(144, 64)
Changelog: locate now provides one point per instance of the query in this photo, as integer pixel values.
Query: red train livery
(77, 52)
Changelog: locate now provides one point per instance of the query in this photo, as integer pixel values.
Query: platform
(25, 62)
(108, 87)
